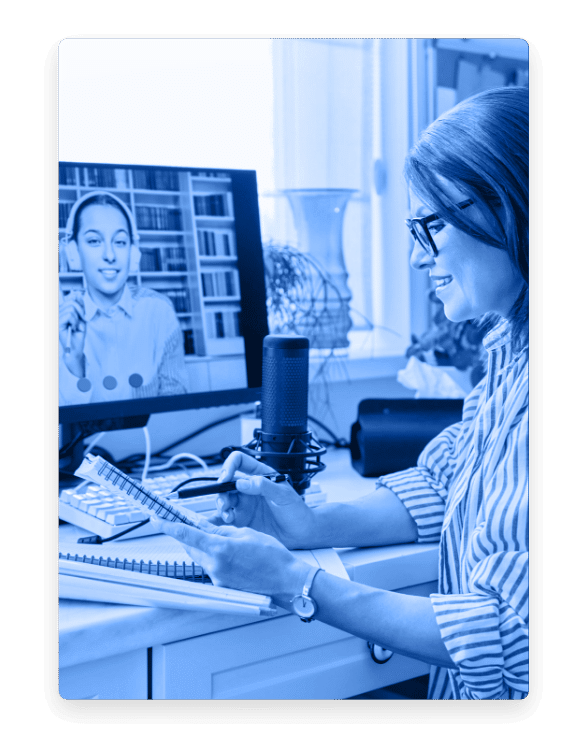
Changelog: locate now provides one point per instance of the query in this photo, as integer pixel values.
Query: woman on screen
(468, 182)
(116, 341)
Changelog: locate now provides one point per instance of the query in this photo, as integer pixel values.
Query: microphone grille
(285, 379)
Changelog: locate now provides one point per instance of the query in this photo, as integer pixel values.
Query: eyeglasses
(421, 228)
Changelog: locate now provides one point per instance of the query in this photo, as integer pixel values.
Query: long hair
(481, 147)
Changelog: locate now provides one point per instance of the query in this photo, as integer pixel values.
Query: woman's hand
(268, 507)
(72, 332)
(242, 558)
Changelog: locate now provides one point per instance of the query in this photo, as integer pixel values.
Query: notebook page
(155, 548)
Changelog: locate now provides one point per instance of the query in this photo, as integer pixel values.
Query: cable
(203, 429)
(340, 443)
(148, 453)
(177, 457)
(135, 458)
(69, 446)
(93, 443)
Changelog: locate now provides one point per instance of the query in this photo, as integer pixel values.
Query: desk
(126, 652)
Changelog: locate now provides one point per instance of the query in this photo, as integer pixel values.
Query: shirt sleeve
(424, 489)
(171, 368)
(486, 629)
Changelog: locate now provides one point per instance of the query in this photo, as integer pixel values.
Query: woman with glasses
(468, 187)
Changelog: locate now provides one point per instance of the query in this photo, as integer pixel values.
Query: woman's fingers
(71, 315)
(226, 504)
(281, 494)
(244, 463)
(196, 542)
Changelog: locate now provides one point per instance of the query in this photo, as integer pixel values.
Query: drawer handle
(379, 655)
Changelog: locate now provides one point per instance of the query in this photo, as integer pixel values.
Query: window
(345, 113)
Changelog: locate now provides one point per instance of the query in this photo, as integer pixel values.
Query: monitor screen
(162, 302)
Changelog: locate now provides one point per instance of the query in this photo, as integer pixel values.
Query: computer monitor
(162, 291)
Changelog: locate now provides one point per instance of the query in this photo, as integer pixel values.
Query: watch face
(303, 607)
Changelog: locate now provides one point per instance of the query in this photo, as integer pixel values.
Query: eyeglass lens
(422, 238)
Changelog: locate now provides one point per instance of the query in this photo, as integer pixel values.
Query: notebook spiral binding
(192, 572)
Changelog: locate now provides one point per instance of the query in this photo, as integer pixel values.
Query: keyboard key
(79, 499)
(116, 517)
(99, 509)
(136, 515)
(86, 503)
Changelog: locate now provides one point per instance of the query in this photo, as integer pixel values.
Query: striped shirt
(469, 491)
(133, 350)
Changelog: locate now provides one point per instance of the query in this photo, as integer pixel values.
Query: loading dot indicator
(109, 382)
(135, 380)
(83, 384)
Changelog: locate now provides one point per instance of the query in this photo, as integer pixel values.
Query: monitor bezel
(254, 316)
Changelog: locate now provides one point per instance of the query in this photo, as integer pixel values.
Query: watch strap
(309, 581)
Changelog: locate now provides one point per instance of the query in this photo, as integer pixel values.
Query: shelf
(170, 273)
(209, 218)
(158, 232)
(217, 259)
(176, 192)
(217, 300)
(214, 179)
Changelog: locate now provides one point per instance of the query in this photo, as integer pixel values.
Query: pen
(215, 488)
(68, 346)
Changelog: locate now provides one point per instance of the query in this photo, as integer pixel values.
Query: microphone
(284, 441)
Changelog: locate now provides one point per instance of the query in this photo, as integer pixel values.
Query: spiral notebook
(141, 572)
(154, 555)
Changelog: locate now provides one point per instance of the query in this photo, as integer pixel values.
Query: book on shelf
(175, 259)
(67, 176)
(214, 243)
(223, 324)
(150, 260)
(219, 283)
(150, 217)
(159, 259)
(210, 204)
(160, 180)
(179, 298)
(100, 177)
(188, 341)
(64, 212)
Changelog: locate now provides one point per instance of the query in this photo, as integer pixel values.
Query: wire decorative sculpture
(302, 299)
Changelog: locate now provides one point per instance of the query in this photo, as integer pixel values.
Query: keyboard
(107, 514)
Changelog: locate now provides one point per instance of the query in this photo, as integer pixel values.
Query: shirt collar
(125, 303)
(500, 335)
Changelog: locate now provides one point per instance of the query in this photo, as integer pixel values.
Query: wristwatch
(303, 605)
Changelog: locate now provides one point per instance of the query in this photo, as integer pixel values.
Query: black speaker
(390, 434)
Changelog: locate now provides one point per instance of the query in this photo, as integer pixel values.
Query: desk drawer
(124, 676)
(282, 658)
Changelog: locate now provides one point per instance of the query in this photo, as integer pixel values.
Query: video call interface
(149, 289)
